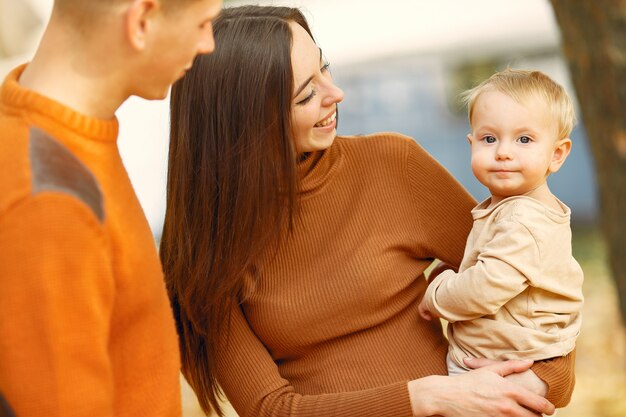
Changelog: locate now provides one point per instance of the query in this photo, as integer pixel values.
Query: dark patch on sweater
(5, 408)
(55, 168)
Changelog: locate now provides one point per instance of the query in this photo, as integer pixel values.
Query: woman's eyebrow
(308, 80)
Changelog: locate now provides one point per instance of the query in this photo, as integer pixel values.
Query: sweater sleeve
(442, 207)
(251, 381)
(500, 273)
(55, 308)
(558, 374)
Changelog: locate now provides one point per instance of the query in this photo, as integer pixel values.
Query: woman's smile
(328, 120)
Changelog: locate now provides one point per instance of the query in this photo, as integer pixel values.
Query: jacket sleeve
(558, 374)
(500, 273)
(252, 382)
(55, 309)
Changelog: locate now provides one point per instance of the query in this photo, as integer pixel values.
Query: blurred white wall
(356, 30)
(349, 32)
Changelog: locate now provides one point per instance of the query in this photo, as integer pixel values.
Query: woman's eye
(307, 98)
(326, 66)
(524, 139)
(489, 139)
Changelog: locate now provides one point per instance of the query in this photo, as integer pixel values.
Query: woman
(294, 258)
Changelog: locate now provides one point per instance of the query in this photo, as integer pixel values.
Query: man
(86, 328)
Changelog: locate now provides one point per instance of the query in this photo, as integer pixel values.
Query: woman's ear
(138, 21)
(561, 151)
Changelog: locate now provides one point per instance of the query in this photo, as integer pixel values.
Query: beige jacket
(518, 292)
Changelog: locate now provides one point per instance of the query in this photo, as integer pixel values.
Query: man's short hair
(85, 10)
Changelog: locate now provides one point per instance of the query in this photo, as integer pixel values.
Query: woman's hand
(528, 379)
(480, 392)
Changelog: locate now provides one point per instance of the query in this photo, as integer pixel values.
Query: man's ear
(138, 21)
(561, 150)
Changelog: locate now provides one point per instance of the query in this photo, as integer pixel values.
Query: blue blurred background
(418, 96)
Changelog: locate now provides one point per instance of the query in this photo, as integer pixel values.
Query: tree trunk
(594, 44)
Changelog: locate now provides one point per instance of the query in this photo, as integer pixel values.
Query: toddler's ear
(561, 151)
(469, 138)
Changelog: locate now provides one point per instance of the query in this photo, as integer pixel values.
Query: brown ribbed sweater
(331, 327)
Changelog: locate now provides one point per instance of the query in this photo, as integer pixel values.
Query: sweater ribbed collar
(318, 168)
(44, 111)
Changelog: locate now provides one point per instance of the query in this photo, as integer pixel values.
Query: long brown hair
(232, 179)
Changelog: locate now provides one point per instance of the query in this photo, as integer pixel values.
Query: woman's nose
(333, 95)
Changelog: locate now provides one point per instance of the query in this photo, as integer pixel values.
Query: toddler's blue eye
(525, 139)
(489, 139)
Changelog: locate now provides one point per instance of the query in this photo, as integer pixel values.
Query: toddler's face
(514, 146)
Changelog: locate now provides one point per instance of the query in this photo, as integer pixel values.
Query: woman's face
(315, 96)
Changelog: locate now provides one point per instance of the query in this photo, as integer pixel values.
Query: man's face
(178, 37)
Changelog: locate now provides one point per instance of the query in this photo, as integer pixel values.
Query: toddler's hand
(424, 312)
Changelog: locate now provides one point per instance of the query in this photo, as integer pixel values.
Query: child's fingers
(424, 312)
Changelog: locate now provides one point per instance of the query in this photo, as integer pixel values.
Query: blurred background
(402, 65)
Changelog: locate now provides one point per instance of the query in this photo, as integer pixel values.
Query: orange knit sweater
(330, 327)
(86, 328)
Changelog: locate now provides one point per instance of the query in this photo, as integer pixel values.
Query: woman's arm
(552, 378)
(558, 374)
(478, 393)
(441, 206)
(254, 386)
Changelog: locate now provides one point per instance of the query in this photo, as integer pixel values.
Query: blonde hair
(522, 85)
